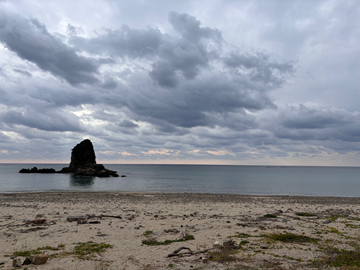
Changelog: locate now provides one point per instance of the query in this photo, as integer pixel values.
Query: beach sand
(219, 222)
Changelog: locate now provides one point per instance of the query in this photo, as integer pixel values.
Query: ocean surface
(254, 180)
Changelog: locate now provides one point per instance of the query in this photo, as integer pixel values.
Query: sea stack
(83, 155)
(83, 162)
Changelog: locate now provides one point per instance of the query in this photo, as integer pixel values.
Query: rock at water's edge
(83, 155)
(83, 163)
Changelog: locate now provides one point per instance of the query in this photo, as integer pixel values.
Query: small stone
(27, 261)
(39, 259)
(13, 257)
(16, 262)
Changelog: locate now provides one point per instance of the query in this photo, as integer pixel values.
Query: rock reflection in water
(83, 181)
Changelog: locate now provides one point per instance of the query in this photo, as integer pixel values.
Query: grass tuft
(154, 242)
(269, 216)
(291, 238)
(81, 250)
(303, 214)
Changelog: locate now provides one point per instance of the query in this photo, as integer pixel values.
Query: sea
(247, 180)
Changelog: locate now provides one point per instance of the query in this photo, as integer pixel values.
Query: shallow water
(256, 180)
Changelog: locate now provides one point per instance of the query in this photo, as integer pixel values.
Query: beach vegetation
(88, 249)
(154, 242)
(343, 258)
(147, 233)
(224, 253)
(269, 216)
(39, 250)
(290, 238)
(335, 217)
(241, 235)
(304, 214)
(353, 226)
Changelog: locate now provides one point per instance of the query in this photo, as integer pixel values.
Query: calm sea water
(259, 180)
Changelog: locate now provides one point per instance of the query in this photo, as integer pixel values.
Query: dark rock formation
(36, 170)
(83, 155)
(83, 163)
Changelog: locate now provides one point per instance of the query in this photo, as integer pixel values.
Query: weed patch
(291, 238)
(84, 249)
(224, 253)
(147, 233)
(154, 242)
(269, 216)
(303, 214)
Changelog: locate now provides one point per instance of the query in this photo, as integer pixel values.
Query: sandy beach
(112, 230)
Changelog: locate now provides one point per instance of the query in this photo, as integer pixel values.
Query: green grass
(154, 242)
(335, 217)
(224, 253)
(39, 250)
(242, 235)
(84, 249)
(291, 238)
(303, 214)
(342, 258)
(353, 226)
(269, 216)
(147, 233)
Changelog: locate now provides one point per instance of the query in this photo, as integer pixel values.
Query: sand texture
(232, 228)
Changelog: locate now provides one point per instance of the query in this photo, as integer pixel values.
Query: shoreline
(140, 229)
(47, 195)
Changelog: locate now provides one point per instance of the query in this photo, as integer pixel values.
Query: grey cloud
(306, 118)
(23, 72)
(190, 28)
(128, 124)
(122, 42)
(164, 74)
(49, 121)
(109, 84)
(30, 40)
(259, 67)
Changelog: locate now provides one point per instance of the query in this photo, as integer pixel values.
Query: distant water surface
(255, 180)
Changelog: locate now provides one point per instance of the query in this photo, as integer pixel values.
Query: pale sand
(209, 217)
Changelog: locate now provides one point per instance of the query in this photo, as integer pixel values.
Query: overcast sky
(192, 82)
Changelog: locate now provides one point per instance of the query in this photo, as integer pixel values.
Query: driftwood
(33, 229)
(101, 216)
(7, 224)
(85, 217)
(190, 253)
(36, 221)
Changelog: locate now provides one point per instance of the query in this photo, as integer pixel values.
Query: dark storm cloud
(194, 83)
(181, 86)
(190, 28)
(23, 72)
(122, 42)
(49, 121)
(302, 117)
(31, 41)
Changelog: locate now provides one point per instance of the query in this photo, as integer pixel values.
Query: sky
(181, 82)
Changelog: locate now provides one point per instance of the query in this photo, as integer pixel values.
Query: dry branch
(190, 253)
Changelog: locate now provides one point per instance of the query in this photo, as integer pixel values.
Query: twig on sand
(32, 229)
(190, 253)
